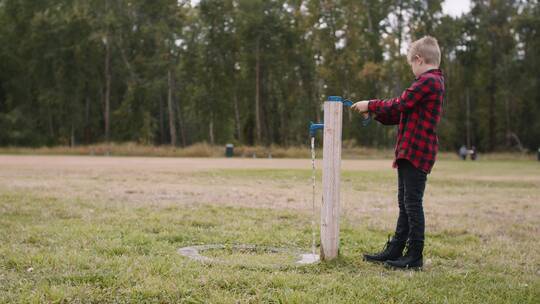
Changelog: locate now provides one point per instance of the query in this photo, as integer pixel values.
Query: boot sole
(373, 261)
(415, 268)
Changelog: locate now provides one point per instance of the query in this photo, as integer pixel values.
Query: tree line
(257, 71)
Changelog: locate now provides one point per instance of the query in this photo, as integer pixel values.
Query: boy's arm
(386, 116)
(390, 117)
(404, 103)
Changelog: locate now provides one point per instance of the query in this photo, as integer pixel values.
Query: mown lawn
(482, 243)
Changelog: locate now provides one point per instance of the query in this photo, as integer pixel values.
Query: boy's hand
(361, 106)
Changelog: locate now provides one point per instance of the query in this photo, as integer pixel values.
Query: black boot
(391, 251)
(411, 260)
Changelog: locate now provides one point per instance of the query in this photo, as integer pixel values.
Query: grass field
(107, 229)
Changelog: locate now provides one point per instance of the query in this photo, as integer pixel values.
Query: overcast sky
(456, 7)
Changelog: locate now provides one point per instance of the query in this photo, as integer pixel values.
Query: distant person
(473, 153)
(417, 112)
(463, 152)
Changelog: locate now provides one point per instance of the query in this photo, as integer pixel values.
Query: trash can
(229, 150)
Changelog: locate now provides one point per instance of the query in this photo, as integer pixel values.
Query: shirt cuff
(372, 106)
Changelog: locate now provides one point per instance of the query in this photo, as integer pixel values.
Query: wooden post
(330, 210)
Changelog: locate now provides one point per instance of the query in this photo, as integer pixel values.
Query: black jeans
(411, 185)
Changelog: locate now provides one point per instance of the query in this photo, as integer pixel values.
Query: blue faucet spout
(313, 127)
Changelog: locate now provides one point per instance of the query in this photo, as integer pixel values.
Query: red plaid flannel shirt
(417, 111)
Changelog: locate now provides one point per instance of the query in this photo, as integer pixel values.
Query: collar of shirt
(436, 71)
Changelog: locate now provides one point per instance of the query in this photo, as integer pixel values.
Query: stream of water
(313, 172)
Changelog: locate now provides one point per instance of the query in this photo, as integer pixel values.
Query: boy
(417, 111)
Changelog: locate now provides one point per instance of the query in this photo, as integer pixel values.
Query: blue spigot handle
(345, 101)
(365, 121)
(349, 103)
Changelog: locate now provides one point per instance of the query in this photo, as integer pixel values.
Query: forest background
(253, 72)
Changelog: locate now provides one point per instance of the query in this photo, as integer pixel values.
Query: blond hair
(426, 47)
